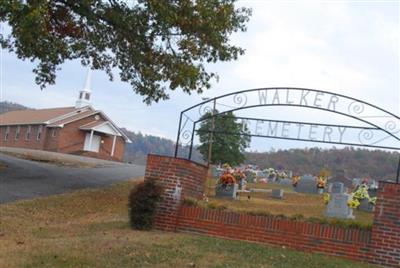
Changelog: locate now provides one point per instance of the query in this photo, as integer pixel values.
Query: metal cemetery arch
(380, 129)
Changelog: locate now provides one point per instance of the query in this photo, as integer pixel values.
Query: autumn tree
(155, 45)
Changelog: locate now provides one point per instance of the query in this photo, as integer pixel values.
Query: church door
(95, 146)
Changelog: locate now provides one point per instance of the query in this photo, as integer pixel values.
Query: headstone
(261, 175)
(337, 206)
(226, 190)
(214, 172)
(271, 175)
(340, 176)
(277, 193)
(306, 185)
(366, 206)
(250, 175)
(285, 182)
(336, 188)
(372, 192)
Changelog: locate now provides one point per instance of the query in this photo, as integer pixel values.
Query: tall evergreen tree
(230, 138)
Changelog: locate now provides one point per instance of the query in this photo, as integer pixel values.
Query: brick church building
(80, 130)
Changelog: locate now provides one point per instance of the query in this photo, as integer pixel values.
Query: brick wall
(52, 138)
(72, 140)
(310, 237)
(170, 172)
(381, 245)
(386, 227)
(69, 139)
(22, 142)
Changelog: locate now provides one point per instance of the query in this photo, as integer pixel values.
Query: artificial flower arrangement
(321, 182)
(251, 176)
(281, 175)
(227, 179)
(359, 194)
(240, 177)
(226, 166)
(238, 174)
(327, 198)
(353, 203)
(295, 180)
(271, 173)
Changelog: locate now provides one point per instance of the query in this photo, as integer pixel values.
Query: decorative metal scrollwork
(373, 133)
(391, 126)
(240, 99)
(365, 136)
(205, 108)
(186, 137)
(356, 108)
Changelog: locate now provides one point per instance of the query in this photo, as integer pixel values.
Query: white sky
(348, 47)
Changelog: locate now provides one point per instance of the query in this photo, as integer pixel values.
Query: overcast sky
(348, 47)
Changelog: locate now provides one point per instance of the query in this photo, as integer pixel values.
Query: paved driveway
(24, 179)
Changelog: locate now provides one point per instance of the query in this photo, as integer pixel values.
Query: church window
(39, 133)
(7, 133)
(28, 133)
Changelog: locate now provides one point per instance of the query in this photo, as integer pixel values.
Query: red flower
(227, 178)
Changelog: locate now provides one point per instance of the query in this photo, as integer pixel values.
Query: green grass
(90, 228)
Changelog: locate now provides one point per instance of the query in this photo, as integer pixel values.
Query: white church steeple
(84, 94)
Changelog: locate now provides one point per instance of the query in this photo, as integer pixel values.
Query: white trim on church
(85, 93)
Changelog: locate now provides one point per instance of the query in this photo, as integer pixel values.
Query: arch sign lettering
(370, 125)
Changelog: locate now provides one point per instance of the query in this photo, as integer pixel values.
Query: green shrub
(143, 201)
(191, 202)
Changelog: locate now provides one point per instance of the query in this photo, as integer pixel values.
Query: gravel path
(24, 179)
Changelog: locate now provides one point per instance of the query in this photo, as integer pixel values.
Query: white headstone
(277, 193)
(338, 207)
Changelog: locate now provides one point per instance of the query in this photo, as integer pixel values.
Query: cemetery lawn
(89, 228)
(292, 205)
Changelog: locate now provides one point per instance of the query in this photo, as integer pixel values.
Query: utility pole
(211, 136)
(398, 171)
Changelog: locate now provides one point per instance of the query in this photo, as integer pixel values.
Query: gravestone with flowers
(226, 186)
(306, 184)
(338, 203)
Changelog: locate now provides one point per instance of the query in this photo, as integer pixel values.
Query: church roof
(57, 117)
(72, 118)
(91, 125)
(25, 117)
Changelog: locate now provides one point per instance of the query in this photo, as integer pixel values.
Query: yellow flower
(327, 198)
(353, 203)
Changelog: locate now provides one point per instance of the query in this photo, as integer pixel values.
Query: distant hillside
(142, 145)
(6, 106)
(356, 162)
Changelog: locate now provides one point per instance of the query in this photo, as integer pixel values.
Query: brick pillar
(385, 239)
(180, 178)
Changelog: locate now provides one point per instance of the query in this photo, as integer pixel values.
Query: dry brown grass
(52, 160)
(292, 204)
(89, 228)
